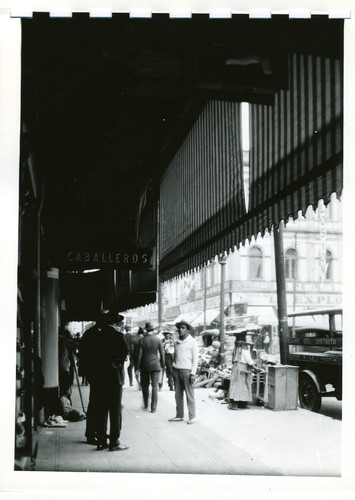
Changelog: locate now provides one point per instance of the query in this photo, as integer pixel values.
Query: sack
(75, 416)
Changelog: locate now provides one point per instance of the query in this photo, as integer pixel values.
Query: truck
(315, 346)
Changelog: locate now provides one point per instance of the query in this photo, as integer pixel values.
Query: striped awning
(296, 159)
(296, 152)
(201, 192)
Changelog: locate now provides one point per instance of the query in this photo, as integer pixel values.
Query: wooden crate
(282, 387)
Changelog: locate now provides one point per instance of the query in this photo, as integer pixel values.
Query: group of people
(103, 351)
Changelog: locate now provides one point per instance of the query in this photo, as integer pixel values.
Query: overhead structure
(118, 114)
(296, 158)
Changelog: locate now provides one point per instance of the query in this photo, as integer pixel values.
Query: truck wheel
(308, 394)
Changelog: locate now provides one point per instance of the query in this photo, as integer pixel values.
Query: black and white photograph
(178, 271)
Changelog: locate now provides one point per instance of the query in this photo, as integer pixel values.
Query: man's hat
(149, 327)
(113, 317)
(167, 332)
(182, 322)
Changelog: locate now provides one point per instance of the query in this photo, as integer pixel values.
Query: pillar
(222, 260)
(49, 339)
(281, 292)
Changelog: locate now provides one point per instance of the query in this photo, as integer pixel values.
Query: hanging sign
(137, 258)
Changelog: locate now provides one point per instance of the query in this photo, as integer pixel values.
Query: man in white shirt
(184, 372)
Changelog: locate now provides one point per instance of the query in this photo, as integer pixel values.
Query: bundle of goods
(210, 374)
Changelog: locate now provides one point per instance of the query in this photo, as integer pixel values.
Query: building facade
(313, 272)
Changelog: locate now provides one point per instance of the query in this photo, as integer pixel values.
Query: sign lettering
(139, 258)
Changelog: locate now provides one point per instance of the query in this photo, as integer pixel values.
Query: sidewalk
(258, 441)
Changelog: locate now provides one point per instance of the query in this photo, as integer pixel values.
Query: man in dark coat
(150, 363)
(107, 372)
(87, 347)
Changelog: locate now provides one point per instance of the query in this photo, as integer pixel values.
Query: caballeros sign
(138, 258)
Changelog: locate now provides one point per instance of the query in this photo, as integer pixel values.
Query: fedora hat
(182, 322)
(149, 326)
(113, 317)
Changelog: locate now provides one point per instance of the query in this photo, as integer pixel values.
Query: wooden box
(282, 385)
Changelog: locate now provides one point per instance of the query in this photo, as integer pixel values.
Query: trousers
(183, 385)
(148, 378)
(109, 403)
(169, 370)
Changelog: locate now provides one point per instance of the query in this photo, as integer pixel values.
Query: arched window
(329, 261)
(291, 264)
(255, 263)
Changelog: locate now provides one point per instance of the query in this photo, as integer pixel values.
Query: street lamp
(222, 259)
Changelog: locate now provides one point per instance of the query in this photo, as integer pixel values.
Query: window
(255, 263)
(329, 261)
(291, 264)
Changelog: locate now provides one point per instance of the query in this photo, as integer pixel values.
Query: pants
(91, 415)
(169, 370)
(183, 384)
(153, 379)
(109, 399)
(130, 370)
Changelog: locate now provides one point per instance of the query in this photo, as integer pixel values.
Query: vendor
(240, 392)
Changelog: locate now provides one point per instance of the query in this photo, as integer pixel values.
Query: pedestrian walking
(150, 363)
(130, 339)
(184, 372)
(168, 345)
(240, 390)
(108, 378)
(137, 339)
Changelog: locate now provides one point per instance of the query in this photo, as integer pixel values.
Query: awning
(211, 314)
(266, 315)
(296, 153)
(201, 192)
(296, 159)
(188, 317)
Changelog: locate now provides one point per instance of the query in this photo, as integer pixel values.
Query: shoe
(191, 421)
(232, 406)
(171, 388)
(176, 419)
(153, 411)
(92, 441)
(102, 446)
(118, 447)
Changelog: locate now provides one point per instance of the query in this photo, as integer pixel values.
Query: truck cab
(315, 346)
